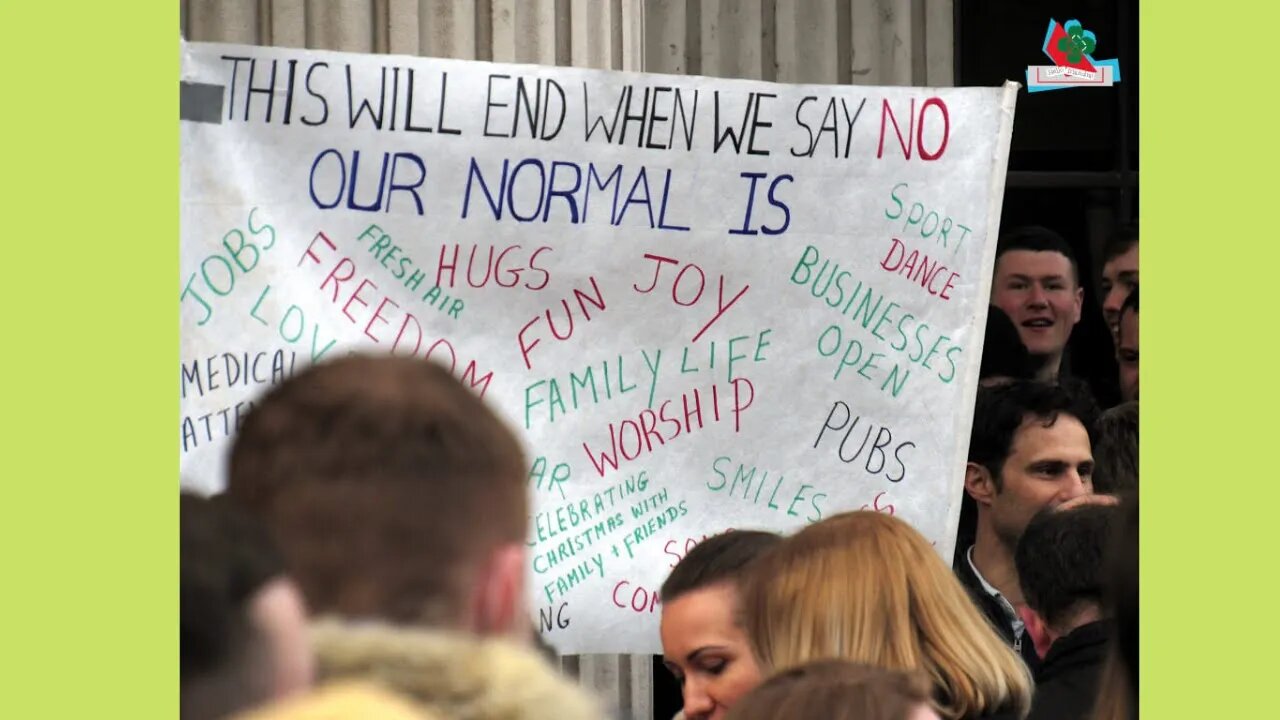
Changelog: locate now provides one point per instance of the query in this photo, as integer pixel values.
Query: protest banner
(703, 303)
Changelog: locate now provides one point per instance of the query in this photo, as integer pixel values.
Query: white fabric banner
(705, 304)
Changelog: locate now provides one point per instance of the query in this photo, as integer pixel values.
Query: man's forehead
(1037, 434)
(1126, 261)
(1034, 263)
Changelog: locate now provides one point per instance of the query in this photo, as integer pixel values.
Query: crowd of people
(367, 559)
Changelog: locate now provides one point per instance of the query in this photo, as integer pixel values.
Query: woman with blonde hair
(866, 587)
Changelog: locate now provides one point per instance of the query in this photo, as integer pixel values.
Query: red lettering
(928, 269)
(676, 294)
(605, 457)
(919, 268)
(642, 600)
(657, 270)
(648, 425)
(897, 245)
(666, 549)
(583, 300)
(355, 297)
(377, 315)
(915, 129)
(937, 273)
(909, 265)
(721, 307)
(622, 445)
(408, 317)
(451, 267)
(546, 276)
(333, 275)
(946, 129)
(525, 349)
(497, 271)
(551, 323)
(886, 113)
(950, 284)
(634, 437)
(675, 287)
(488, 267)
(875, 505)
(469, 377)
(308, 254)
(453, 355)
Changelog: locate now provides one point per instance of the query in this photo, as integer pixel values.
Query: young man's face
(1046, 466)
(1119, 278)
(1038, 291)
(1127, 355)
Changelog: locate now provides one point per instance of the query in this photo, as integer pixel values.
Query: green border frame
(88, 501)
(1209, 496)
(88, 518)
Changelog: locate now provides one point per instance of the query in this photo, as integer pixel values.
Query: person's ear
(498, 606)
(1041, 636)
(979, 484)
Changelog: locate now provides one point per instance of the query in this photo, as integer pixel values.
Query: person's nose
(1037, 297)
(697, 703)
(1073, 486)
(1114, 300)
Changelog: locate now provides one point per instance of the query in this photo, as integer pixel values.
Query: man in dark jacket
(1030, 449)
(1061, 567)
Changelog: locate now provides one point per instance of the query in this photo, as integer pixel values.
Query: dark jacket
(1067, 681)
(992, 611)
(997, 715)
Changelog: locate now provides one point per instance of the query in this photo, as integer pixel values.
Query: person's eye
(1048, 469)
(715, 667)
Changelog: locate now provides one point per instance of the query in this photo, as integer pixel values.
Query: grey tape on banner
(200, 102)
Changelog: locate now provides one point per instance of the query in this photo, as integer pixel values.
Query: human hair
(225, 559)
(1060, 561)
(1037, 239)
(1119, 242)
(1001, 411)
(835, 690)
(865, 586)
(721, 558)
(386, 482)
(1118, 687)
(1115, 450)
(1130, 303)
(1003, 353)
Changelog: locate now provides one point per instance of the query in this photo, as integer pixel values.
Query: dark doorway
(1073, 164)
